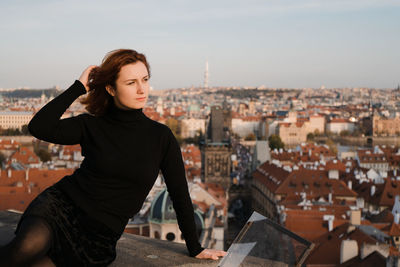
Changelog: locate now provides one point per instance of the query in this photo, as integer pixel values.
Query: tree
(2, 159)
(44, 155)
(275, 142)
(10, 131)
(310, 137)
(332, 146)
(174, 125)
(328, 133)
(344, 133)
(25, 130)
(235, 135)
(357, 132)
(250, 137)
(196, 139)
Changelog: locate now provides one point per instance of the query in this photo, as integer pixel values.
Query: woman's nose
(140, 89)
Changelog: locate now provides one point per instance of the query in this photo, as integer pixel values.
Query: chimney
(373, 188)
(348, 250)
(355, 217)
(9, 173)
(26, 174)
(333, 174)
(349, 185)
(330, 219)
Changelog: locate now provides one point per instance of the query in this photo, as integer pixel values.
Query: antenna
(206, 75)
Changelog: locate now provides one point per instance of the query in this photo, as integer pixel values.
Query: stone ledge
(132, 250)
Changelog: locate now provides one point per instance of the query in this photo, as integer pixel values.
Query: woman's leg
(30, 245)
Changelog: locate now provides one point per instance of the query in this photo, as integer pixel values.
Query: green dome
(162, 211)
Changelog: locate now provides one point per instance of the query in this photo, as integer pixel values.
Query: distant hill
(30, 93)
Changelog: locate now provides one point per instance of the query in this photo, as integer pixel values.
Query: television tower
(206, 76)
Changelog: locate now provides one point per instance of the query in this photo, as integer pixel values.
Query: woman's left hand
(211, 254)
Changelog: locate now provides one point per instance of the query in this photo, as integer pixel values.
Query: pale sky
(276, 43)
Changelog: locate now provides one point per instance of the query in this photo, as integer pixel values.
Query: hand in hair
(84, 79)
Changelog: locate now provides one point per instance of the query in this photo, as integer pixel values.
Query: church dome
(162, 211)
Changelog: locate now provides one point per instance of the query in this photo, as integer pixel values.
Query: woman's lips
(141, 99)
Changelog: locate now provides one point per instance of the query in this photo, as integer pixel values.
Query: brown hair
(106, 74)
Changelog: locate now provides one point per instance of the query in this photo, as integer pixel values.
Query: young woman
(78, 220)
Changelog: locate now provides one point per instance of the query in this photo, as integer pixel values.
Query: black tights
(30, 246)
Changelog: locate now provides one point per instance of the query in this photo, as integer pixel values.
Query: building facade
(14, 119)
(294, 133)
(385, 126)
(191, 126)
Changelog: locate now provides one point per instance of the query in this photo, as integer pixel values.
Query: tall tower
(206, 76)
(216, 151)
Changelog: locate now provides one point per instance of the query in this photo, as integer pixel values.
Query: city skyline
(295, 44)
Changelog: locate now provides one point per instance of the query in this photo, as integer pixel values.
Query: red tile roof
(335, 165)
(7, 144)
(394, 230)
(25, 156)
(327, 249)
(16, 201)
(70, 149)
(315, 183)
(32, 182)
(373, 259)
(367, 156)
(385, 194)
(309, 224)
(270, 175)
(217, 191)
(384, 217)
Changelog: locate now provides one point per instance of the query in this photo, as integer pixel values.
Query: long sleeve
(46, 124)
(174, 174)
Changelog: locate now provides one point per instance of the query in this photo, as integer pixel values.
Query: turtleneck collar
(119, 114)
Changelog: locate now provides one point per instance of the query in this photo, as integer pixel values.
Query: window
(170, 236)
(156, 235)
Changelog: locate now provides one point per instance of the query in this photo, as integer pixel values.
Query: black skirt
(78, 240)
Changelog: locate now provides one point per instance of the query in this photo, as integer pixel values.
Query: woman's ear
(110, 90)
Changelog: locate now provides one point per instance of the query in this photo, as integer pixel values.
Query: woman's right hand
(84, 79)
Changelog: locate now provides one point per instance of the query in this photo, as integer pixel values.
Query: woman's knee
(33, 238)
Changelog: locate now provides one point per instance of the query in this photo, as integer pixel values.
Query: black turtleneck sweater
(124, 151)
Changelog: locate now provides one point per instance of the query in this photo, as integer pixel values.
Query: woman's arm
(173, 171)
(46, 124)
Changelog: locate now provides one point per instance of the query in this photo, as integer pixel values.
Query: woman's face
(132, 86)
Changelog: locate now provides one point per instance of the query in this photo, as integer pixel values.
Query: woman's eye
(131, 82)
